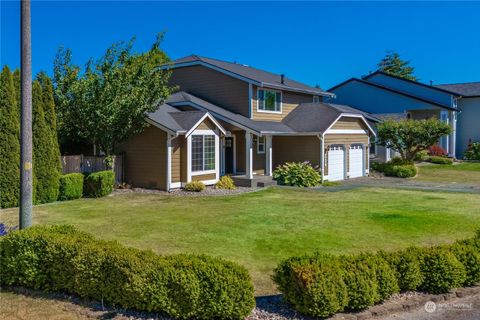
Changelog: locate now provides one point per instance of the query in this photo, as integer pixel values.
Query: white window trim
(258, 144)
(269, 111)
(191, 173)
(318, 98)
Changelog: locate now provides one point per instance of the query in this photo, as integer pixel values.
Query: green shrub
(422, 156)
(359, 275)
(441, 160)
(225, 182)
(396, 168)
(71, 186)
(442, 271)
(313, 285)
(60, 258)
(99, 184)
(299, 174)
(407, 266)
(387, 281)
(472, 152)
(195, 186)
(469, 256)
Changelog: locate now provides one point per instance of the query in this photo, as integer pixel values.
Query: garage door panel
(336, 163)
(355, 161)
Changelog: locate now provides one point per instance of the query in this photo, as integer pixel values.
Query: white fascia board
(351, 115)
(205, 116)
(345, 131)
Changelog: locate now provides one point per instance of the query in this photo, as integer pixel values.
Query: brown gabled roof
(249, 74)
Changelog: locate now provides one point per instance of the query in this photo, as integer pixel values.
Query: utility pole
(26, 173)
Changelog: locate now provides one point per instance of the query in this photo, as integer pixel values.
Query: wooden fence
(87, 164)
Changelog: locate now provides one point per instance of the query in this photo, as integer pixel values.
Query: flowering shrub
(436, 150)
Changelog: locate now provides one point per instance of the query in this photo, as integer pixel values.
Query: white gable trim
(207, 115)
(351, 115)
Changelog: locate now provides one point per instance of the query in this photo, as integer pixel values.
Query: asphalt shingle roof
(258, 75)
(469, 89)
(312, 118)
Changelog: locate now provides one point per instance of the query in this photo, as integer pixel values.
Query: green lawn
(465, 173)
(259, 229)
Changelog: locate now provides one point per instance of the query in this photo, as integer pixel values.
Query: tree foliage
(409, 137)
(107, 102)
(393, 64)
(9, 141)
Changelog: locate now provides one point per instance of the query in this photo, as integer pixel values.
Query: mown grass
(463, 173)
(259, 229)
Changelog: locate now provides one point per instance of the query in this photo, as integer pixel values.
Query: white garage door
(336, 165)
(355, 161)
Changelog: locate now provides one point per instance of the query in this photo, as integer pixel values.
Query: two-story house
(229, 118)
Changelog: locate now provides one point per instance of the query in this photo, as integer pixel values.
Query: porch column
(248, 154)
(453, 135)
(222, 158)
(169, 161)
(268, 155)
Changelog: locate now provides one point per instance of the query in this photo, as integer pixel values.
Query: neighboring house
(384, 96)
(468, 124)
(229, 118)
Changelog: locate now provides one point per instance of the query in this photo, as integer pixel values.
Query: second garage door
(355, 161)
(336, 163)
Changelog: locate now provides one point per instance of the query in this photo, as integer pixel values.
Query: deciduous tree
(409, 137)
(107, 102)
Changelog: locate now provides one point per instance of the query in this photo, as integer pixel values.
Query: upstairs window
(269, 101)
(203, 153)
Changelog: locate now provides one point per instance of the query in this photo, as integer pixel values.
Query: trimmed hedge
(317, 284)
(441, 160)
(71, 186)
(99, 184)
(396, 168)
(195, 186)
(60, 258)
(299, 174)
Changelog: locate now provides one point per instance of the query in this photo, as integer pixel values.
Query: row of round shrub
(60, 258)
(320, 285)
(75, 185)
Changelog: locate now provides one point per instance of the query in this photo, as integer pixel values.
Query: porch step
(257, 181)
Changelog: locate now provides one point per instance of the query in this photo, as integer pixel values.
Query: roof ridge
(455, 83)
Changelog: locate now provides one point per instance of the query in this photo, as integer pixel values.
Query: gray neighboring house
(468, 124)
(386, 96)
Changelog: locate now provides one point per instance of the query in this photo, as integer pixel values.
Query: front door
(228, 155)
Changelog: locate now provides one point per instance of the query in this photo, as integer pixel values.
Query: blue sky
(314, 42)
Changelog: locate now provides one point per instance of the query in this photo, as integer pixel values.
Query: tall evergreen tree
(393, 64)
(51, 119)
(9, 141)
(46, 177)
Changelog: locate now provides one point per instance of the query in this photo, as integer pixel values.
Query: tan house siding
(213, 86)
(349, 123)
(295, 149)
(145, 159)
(184, 161)
(203, 177)
(258, 159)
(290, 100)
(176, 158)
(207, 124)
